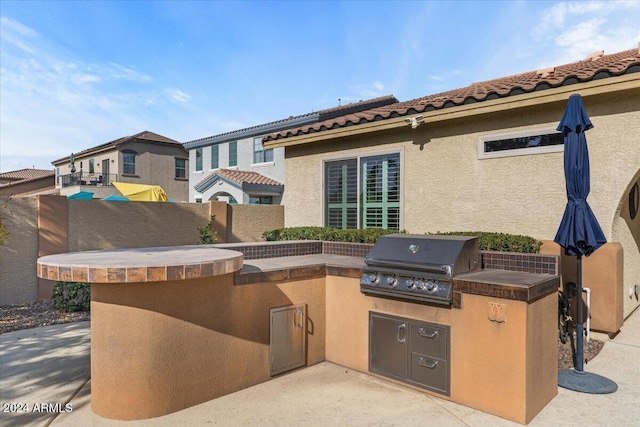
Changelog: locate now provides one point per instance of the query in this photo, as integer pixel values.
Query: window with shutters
(380, 192)
(341, 196)
(368, 198)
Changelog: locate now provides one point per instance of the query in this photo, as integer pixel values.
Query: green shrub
(72, 296)
(486, 240)
(352, 235)
(501, 242)
(208, 235)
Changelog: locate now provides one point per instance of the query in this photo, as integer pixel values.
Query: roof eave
(253, 131)
(593, 87)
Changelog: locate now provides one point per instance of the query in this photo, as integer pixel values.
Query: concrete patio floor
(52, 365)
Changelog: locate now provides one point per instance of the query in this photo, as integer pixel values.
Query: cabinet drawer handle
(423, 333)
(401, 333)
(423, 362)
(295, 320)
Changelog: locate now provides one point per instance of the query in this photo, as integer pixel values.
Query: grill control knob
(410, 284)
(392, 282)
(420, 285)
(374, 279)
(431, 286)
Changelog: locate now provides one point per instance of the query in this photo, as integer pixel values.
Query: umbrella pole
(579, 362)
(576, 379)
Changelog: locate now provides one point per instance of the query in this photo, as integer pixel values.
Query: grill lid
(447, 254)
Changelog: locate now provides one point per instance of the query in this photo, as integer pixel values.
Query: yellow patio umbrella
(142, 192)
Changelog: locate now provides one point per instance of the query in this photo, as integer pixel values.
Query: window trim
(517, 151)
(358, 156)
(125, 163)
(186, 167)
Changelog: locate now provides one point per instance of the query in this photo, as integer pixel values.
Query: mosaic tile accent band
(528, 263)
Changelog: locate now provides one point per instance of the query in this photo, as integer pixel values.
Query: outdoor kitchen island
(164, 343)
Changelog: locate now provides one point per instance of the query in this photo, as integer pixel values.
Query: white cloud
(569, 31)
(177, 95)
(121, 72)
(17, 34)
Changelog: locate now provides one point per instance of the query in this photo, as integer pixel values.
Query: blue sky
(75, 74)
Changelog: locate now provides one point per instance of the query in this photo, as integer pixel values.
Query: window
(260, 200)
(380, 192)
(181, 168)
(520, 143)
(233, 153)
(370, 201)
(260, 155)
(198, 159)
(341, 194)
(58, 175)
(92, 166)
(215, 152)
(129, 162)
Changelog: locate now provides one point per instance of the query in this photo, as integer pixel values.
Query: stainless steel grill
(418, 267)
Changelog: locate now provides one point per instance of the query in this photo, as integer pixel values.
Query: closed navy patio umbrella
(579, 233)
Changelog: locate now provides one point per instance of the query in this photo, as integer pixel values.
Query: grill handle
(444, 269)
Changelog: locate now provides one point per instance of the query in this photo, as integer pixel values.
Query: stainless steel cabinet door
(287, 344)
(388, 346)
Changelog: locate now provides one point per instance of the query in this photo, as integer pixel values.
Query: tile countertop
(139, 264)
(512, 285)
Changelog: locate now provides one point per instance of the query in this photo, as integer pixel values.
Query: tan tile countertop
(139, 264)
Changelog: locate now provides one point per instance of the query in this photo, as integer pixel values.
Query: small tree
(207, 234)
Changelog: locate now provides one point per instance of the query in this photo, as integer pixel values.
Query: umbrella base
(585, 382)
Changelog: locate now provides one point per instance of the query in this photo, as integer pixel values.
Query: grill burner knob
(420, 285)
(431, 287)
(410, 284)
(392, 282)
(373, 278)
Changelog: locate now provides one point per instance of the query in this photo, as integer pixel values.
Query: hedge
(72, 296)
(501, 241)
(352, 235)
(487, 241)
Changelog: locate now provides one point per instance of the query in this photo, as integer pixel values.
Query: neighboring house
(213, 159)
(143, 158)
(482, 158)
(26, 181)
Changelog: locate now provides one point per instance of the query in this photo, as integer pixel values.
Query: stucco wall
(110, 225)
(248, 222)
(18, 281)
(186, 335)
(445, 187)
(627, 231)
(497, 361)
(155, 165)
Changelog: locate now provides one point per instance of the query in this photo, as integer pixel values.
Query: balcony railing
(86, 178)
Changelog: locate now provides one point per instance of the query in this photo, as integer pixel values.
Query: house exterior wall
(273, 170)
(446, 187)
(155, 165)
(26, 186)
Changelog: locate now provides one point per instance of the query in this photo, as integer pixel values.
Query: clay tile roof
(23, 174)
(240, 177)
(595, 66)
